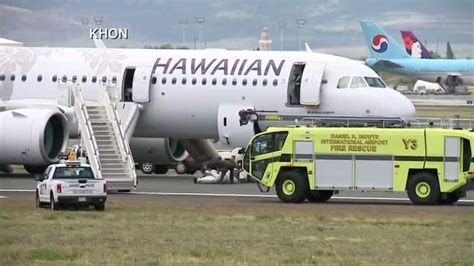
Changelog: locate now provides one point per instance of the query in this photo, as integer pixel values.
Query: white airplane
(185, 95)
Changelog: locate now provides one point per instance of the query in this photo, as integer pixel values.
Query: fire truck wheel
(319, 195)
(292, 187)
(423, 189)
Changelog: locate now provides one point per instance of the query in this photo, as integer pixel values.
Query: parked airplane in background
(416, 49)
(386, 55)
(185, 96)
(413, 46)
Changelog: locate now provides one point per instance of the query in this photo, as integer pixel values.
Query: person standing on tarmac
(225, 166)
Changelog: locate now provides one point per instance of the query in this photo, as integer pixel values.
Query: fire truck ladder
(103, 138)
(255, 117)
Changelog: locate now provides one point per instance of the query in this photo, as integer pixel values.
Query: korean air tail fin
(381, 44)
(413, 46)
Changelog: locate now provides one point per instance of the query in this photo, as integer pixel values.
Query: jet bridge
(103, 136)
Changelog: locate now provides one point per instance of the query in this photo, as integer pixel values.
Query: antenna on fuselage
(307, 48)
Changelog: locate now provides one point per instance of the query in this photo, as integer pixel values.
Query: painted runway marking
(239, 195)
(3, 197)
(17, 190)
(266, 196)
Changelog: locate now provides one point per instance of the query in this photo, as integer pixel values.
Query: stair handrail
(85, 127)
(113, 116)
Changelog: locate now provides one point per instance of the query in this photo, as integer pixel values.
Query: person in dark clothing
(212, 164)
(224, 167)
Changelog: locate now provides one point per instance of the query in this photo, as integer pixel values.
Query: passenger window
(104, 79)
(265, 82)
(234, 82)
(244, 82)
(254, 82)
(84, 79)
(153, 80)
(275, 82)
(214, 81)
(467, 155)
(194, 81)
(173, 81)
(55, 78)
(224, 81)
(204, 81)
(64, 79)
(358, 82)
(94, 79)
(74, 78)
(39, 78)
(343, 82)
(163, 80)
(23, 78)
(114, 79)
(12, 77)
(183, 81)
(2, 77)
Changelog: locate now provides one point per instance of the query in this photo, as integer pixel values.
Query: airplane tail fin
(449, 52)
(381, 44)
(413, 46)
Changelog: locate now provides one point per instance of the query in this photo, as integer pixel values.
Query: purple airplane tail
(413, 46)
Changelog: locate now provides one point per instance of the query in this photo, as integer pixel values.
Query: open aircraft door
(311, 83)
(141, 84)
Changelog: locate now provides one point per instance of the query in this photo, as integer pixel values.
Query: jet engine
(157, 150)
(32, 136)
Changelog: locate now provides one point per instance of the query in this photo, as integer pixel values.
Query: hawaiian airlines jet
(413, 46)
(185, 95)
(387, 55)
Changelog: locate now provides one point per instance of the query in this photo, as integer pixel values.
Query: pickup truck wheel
(423, 189)
(54, 205)
(39, 204)
(99, 207)
(147, 168)
(292, 187)
(319, 195)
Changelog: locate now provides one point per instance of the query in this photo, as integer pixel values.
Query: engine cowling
(157, 150)
(32, 136)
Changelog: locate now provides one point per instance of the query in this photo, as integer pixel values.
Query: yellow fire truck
(433, 165)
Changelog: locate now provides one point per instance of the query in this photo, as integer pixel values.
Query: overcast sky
(330, 26)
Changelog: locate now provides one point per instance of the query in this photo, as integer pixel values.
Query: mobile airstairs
(103, 137)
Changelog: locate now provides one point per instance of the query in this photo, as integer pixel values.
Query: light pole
(300, 22)
(183, 23)
(281, 27)
(200, 21)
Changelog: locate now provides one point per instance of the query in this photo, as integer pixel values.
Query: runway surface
(183, 189)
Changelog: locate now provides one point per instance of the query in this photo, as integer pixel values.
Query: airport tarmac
(183, 189)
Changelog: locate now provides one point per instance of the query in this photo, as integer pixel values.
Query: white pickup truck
(70, 183)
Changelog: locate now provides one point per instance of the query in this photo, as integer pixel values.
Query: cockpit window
(343, 82)
(375, 82)
(358, 82)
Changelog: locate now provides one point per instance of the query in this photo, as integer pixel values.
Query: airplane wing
(387, 64)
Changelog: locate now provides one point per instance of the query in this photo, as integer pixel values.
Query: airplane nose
(401, 105)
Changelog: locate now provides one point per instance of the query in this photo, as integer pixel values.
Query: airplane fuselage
(431, 69)
(183, 91)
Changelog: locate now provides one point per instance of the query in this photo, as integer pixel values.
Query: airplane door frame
(310, 88)
(141, 84)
